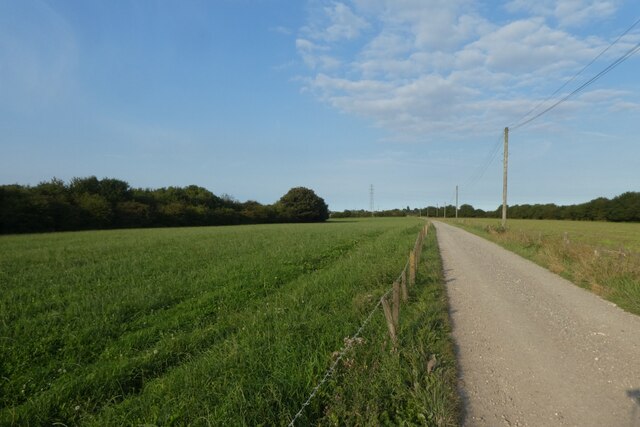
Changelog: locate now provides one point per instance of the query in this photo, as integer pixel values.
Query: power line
(610, 67)
(579, 72)
(484, 166)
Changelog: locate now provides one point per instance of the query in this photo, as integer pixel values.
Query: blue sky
(251, 98)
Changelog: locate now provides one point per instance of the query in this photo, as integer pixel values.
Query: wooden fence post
(396, 305)
(412, 269)
(403, 288)
(403, 282)
(389, 317)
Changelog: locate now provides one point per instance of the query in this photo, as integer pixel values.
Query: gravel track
(534, 349)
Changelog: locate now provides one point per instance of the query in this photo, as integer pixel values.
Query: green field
(219, 326)
(612, 235)
(603, 257)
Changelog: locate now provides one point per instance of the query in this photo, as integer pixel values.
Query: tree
(132, 214)
(625, 207)
(115, 190)
(90, 185)
(254, 212)
(18, 213)
(96, 210)
(466, 211)
(301, 204)
(199, 196)
(173, 214)
(51, 200)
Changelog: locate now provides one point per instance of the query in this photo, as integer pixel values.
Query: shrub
(301, 204)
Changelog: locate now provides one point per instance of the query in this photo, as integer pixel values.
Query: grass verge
(380, 385)
(585, 256)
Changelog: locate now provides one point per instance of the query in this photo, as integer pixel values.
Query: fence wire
(347, 347)
(332, 368)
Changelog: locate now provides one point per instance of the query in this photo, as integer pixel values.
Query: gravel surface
(533, 348)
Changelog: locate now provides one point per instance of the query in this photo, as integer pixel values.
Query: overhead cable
(484, 166)
(579, 72)
(610, 67)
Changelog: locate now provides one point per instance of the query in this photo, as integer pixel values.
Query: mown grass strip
(221, 326)
(265, 370)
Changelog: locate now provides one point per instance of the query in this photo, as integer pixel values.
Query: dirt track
(533, 348)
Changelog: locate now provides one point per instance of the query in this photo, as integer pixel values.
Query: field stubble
(215, 326)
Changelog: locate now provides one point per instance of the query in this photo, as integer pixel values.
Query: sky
(253, 97)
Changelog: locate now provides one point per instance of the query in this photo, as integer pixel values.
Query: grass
(381, 386)
(214, 326)
(602, 257)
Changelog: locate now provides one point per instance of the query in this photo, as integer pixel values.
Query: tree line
(622, 208)
(92, 203)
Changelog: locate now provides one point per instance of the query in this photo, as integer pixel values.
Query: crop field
(612, 235)
(603, 257)
(220, 326)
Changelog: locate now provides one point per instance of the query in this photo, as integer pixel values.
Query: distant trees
(92, 203)
(625, 207)
(301, 204)
(467, 211)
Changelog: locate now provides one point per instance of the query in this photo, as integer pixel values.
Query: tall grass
(204, 326)
(602, 257)
(380, 385)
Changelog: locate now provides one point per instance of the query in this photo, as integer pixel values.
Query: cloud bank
(423, 68)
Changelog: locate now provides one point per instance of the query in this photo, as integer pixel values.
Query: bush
(301, 204)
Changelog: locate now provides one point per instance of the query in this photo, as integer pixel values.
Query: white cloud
(625, 106)
(281, 30)
(305, 45)
(415, 106)
(567, 12)
(336, 22)
(315, 56)
(429, 67)
(344, 23)
(433, 24)
(530, 46)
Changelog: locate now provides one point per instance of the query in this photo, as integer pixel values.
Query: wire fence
(408, 275)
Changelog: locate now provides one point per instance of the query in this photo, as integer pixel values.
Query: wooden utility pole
(456, 202)
(371, 199)
(504, 177)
